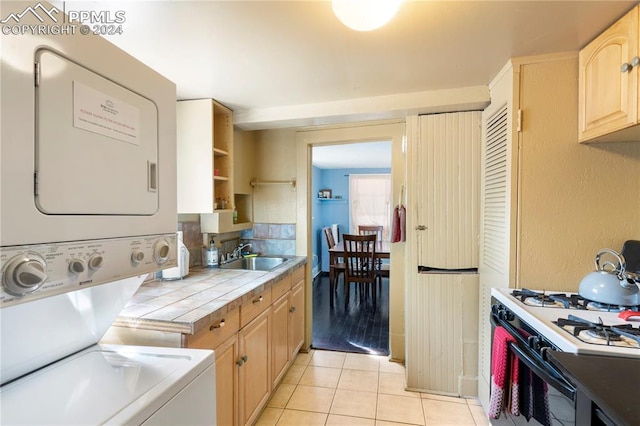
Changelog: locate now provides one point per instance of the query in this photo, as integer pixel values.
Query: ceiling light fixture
(365, 15)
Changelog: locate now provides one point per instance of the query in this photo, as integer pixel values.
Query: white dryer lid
(101, 383)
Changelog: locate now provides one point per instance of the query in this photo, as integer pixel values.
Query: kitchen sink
(259, 263)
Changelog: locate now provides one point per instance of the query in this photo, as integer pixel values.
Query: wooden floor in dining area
(360, 327)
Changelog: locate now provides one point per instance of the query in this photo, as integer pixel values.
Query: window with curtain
(370, 202)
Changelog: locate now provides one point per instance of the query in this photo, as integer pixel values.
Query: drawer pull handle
(293, 309)
(258, 300)
(219, 325)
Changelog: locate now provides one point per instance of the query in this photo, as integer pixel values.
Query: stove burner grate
(599, 333)
(535, 298)
(567, 301)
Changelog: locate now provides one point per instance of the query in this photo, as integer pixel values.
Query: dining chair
(359, 259)
(382, 269)
(337, 267)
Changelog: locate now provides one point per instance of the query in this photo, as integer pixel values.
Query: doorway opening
(350, 186)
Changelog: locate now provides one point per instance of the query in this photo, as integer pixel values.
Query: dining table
(383, 251)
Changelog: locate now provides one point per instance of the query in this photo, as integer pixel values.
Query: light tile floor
(337, 388)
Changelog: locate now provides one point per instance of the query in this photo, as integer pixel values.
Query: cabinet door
(194, 156)
(254, 376)
(608, 95)
(227, 382)
(280, 342)
(296, 318)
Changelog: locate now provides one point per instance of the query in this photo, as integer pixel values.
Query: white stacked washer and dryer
(88, 199)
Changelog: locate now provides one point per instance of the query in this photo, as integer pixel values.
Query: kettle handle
(618, 269)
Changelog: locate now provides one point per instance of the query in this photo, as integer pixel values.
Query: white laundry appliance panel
(116, 385)
(88, 138)
(95, 125)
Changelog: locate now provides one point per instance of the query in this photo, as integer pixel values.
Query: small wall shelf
(331, 199)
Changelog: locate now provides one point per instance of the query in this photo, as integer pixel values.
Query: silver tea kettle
(611, 283)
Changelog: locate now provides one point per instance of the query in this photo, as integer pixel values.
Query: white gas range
(555, 316)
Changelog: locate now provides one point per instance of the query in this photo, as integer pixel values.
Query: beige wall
(573, 198)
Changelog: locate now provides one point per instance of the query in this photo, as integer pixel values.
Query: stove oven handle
(561, 385)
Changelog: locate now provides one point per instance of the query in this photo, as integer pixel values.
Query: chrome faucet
(238, 250)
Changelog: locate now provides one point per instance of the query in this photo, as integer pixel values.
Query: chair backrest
(371, 230)
(359, 255)
(328, 234)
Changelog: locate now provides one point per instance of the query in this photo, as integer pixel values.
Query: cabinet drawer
(216, 332)
(254, 306)
(297, 275)
(280, 287)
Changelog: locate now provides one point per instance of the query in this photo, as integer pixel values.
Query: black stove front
(555, 395)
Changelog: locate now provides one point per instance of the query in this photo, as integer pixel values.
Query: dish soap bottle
(235, 215)
(212, 255)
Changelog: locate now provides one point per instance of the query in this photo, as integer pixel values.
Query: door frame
(364, 132)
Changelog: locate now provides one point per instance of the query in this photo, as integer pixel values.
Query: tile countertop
(190, 304)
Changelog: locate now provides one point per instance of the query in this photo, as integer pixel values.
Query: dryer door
(96, 143)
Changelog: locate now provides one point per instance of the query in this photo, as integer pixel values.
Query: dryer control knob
(24, 274)
(137, 256)
(96, 261)
(161, 251)
(76, 266)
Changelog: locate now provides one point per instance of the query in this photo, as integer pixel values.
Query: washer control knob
(96, 261)
(137, 256)
(24, 274)
(76, 266)
(161, 251)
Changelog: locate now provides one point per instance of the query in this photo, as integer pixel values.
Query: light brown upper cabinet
(608, 84)
(205, 167)
(204, 156)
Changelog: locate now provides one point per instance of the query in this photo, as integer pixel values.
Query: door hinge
(36, 73)
(404, 144)
(519, 122)
(35, 184)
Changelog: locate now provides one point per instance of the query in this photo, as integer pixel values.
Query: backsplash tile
(192, 239)
(272, 238)
(261, 230)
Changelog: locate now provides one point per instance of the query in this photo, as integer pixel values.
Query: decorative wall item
(325, 193)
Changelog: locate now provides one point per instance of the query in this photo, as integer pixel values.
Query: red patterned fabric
(500, 360)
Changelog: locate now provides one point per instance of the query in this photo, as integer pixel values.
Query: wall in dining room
(334, 211)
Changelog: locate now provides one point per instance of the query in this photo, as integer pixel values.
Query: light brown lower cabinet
(254, 378)
(296, 317)
(254, 345)
(227, 382)
(280, 342)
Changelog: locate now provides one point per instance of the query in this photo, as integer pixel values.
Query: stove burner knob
(161, 251)
(96, 261)
(76, 266)
(24, 274)
(137, 256)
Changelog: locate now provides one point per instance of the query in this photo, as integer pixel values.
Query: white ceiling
(270, 61)
(353, 155)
